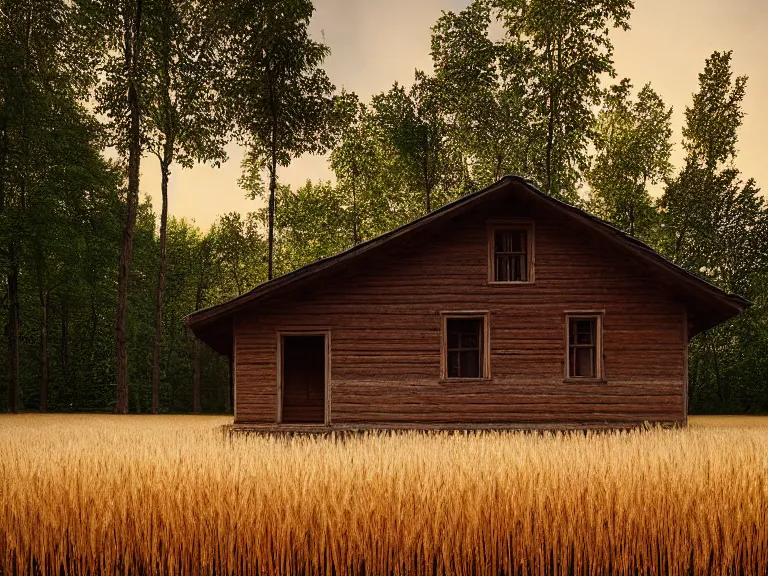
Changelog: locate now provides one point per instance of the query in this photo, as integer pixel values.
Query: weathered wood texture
(384, 315)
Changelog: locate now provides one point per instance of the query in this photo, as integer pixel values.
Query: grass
(173, 495)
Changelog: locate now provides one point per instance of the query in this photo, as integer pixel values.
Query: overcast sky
(374, 43)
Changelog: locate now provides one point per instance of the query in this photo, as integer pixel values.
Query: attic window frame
(485, 345)
(597, 316)
(512, 225)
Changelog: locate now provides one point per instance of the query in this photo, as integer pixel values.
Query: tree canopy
(96, 284)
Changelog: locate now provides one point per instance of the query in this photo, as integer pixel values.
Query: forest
(96, 281)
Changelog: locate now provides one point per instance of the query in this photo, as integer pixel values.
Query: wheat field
(173, 495)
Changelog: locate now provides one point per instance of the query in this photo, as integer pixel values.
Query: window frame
(511, 225)
(598, 316)
(485, 347)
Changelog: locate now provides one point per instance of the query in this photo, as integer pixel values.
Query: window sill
(460, 380)
(585, 380)
(508, 282)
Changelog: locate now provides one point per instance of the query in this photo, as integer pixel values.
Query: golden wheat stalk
(171, 495)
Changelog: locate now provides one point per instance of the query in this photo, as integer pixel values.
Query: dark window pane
(469, 340)
(502, 271)
(571, 362)
(585, 332)
(584, 362)
(518, 241)
(465, 343)
(470, 365)
(519, 273)
(453, 364)
(511, 256)
(582, 351)
(499, 240)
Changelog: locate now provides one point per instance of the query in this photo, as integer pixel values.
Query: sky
(374, 44)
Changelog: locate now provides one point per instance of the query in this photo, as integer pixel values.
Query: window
(511, 253)
(584, 346)
(465, 345)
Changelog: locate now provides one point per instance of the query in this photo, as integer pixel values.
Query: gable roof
(712, 304)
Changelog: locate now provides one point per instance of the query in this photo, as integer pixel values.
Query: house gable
(707, 305)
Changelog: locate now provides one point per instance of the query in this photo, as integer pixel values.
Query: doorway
(303, 378)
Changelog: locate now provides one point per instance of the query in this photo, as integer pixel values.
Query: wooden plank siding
(384, 316)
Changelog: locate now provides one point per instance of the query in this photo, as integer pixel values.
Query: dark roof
(212, 324)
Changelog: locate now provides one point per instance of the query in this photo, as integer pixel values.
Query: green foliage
(632, 143)
(183, 108)
(568, 50)
(717, 226)
(313, 223)
(238, 254)
(529, 101)
(483, 93)
(709, 134)
(411, 124)
(381, 185)
(278, 93)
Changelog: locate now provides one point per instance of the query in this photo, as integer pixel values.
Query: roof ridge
(210, 313)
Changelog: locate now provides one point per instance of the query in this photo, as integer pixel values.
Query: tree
(238, 251)
(483, 88)
(412, 126)
(278, 94)
(75, 174)
(570, 50)
(185, 119)
(314, 222)
(716, 225)
(202, 256)
(690, 202)
(118, 31)
(40, 82)
(368, 178)
(353, 152)
(632, 143)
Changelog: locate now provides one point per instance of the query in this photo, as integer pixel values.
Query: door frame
(327, 376)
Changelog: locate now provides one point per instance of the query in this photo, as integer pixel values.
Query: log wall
(385, 324)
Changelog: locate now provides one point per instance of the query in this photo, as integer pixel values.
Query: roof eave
(198, 320)
(218, 311)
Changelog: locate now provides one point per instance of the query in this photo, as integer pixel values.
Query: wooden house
(503, 309)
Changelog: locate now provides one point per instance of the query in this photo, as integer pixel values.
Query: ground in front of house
(176, 493)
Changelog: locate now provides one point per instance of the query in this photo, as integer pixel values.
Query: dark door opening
(303, 366)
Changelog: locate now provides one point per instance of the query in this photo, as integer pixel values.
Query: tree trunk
(197, 365)
(229, 392)
(427, 183)
(355, 239)
(4, 149)
(196, 379)
(132, 46)
(161, 278)
(722, 387)
(171, 342)
(65, 345)
(497, 169)
(272, 187)
(45, 302)
(14, 328)
(550, 120)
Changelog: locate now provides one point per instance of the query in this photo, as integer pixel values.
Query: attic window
(511, 253)
(465, 345)
(584, 351)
